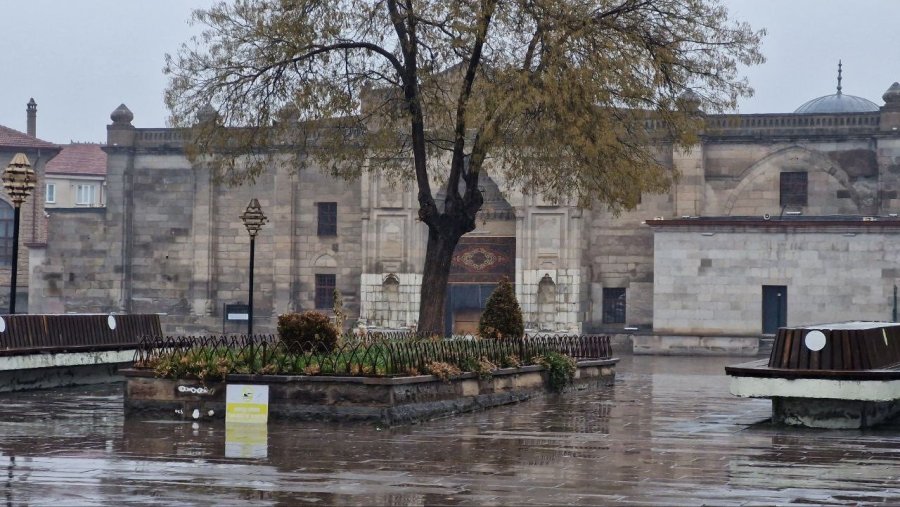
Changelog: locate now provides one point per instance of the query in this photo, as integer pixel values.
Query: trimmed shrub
(307, 331)
(560, 369)
(502, 317)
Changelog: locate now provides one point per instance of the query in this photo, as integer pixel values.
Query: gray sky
(80, 59)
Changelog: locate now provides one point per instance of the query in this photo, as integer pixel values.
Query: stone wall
(710, 282)
(77, 273)
(551, 299)
(390, 299)
(386, 400)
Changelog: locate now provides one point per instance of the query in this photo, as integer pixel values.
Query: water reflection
(667, 432)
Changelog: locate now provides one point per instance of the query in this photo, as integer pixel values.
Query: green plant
(502, 317)
(511, 361)
(442, 370)
(483, 367)
(307, 331)
(560, 369)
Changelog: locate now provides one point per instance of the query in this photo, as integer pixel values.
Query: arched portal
(482, 258)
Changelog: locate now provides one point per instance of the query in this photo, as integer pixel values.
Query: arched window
(6, 233)
(391, 289)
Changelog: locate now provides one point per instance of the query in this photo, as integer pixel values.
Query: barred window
(793, 189)
(614, 306)
(325, 285)
(327, 219)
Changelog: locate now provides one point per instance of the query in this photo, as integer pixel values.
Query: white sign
(815, 340)
(238, 316)
(247, 404)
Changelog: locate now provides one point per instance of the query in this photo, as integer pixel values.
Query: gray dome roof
(837, 103)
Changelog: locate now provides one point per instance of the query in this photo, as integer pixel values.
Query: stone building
(170, 241)
(33, 225)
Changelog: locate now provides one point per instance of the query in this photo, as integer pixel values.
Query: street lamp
(18, 180)
(253, 220)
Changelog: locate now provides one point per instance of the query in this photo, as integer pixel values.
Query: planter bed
(385, 400)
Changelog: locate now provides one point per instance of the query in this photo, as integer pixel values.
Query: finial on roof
(839, 78)
(207, 113)
(892, 95)
(689, 100)
(121, 115)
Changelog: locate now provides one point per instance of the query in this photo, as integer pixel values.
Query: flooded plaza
(667, 433)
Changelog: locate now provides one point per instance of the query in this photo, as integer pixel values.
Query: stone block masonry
(389, 401)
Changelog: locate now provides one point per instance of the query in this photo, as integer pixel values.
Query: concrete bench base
(64, 369)
(847, 399)
(831, 413)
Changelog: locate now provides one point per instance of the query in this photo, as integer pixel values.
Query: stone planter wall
(391, 400)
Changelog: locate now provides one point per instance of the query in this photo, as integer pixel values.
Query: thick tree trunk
(438, 257)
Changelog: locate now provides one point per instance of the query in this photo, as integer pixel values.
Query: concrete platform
(677, 345)
(62, 369)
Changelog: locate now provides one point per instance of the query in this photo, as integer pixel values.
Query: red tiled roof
(88, 159)
(15, 139)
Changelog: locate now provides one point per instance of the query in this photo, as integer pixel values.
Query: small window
(325, 285)
(793, 189)
(6, 233)
(327, 219)
(614, 306)
(50, 194)
(84, 195)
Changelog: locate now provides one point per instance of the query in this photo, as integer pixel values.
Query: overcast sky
(80, 59)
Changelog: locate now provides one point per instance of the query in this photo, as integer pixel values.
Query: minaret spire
(839, 78)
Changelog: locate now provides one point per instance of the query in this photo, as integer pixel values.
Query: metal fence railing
(213, 357)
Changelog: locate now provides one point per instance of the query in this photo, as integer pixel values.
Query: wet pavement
(667, 433)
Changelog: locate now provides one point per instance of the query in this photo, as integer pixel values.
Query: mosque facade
(800, 206)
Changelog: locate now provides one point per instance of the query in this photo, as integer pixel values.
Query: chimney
(32, 117)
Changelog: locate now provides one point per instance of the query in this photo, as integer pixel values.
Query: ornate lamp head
(253, 218)
(19, 179)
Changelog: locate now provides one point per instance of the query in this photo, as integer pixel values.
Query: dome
(837, 103)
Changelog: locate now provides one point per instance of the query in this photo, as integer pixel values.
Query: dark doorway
(774, 308)
(465, 302)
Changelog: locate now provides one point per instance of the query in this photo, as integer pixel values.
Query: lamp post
(18, 180)
(253, 219)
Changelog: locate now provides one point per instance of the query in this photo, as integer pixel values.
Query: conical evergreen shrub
(502, 317)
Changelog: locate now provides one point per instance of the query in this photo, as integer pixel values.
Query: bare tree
(566, 97)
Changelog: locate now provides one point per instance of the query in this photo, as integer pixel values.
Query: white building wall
(711, 283)
(394, 311)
